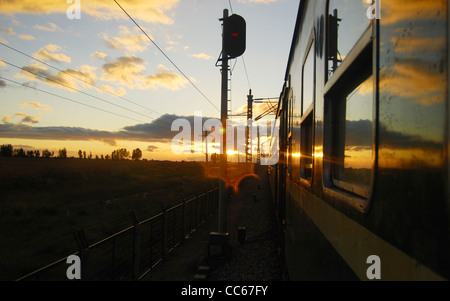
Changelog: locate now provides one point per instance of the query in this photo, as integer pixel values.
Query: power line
(69, 87)
(154, 43)
(80, 79)
(231, 7)
(69, 99)
(246, 73)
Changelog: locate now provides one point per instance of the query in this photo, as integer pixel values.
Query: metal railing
(135, 251)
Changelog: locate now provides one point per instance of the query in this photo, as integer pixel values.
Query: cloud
(8, 31)
(202, 56)
(405, 10)
(120, 91)
(155, 11)
(26, 37)
(10, 130)
(168, 80)
(360, 138)
(402, 141)
(52, 27)
(49, 53)
(408, 75)
(158, 130)
(69, 78)
(27, 118)
(38, 106)
(128, 71)
(127, 40)
(151, 148)
(99, 55)
(258, 109)
(6, 118)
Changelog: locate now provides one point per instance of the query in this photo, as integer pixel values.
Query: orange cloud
(148, 11)
(68, 79)
(407, 10)
(27, 37)
(202, 56)
(127, 40)
(38, 106)
(27, 118)
(52, 27)
(49, 53)
(129, 71)
(413, 80)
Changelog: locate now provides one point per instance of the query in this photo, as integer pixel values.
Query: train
(362, 182)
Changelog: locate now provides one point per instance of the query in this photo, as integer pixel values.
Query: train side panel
(365, 167)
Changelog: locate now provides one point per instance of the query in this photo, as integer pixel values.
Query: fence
(135, 251)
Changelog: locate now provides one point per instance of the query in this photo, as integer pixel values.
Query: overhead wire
(82, 80)
(167, 57)
(69, 99)
(72, 88)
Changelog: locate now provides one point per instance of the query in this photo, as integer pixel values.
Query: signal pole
(223, 198)
(233, 45)
(248, 138)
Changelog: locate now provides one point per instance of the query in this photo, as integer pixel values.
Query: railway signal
(234, 33)
(233, 45)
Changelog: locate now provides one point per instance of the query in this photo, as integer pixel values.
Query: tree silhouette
(120, 154)
(19, 153)
(80, 154)
(47, 154)
(62, 153)
(137, 154)
(6, 150)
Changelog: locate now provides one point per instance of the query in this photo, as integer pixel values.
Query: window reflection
(358, 133)
(308, 81)
(307, 125)
(346, 24)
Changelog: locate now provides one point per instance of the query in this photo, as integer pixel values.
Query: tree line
(7, 150)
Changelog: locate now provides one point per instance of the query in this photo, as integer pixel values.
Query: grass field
(43, 200)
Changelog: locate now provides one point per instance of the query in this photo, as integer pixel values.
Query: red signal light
(234, 28)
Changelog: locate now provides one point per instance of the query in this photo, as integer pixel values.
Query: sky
(80, 75)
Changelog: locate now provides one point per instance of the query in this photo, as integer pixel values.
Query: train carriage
(362, 183)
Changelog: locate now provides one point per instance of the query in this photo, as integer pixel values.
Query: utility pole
(205, 138)
(223, 197)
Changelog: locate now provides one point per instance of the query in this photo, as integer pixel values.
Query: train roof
(294, 37)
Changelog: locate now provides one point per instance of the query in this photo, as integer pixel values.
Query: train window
(349, 121)
(346, 24)
(308, 82)
(306, 158)
(354, 139)
(307, 115)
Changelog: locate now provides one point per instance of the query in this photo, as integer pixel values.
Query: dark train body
(364, 142)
